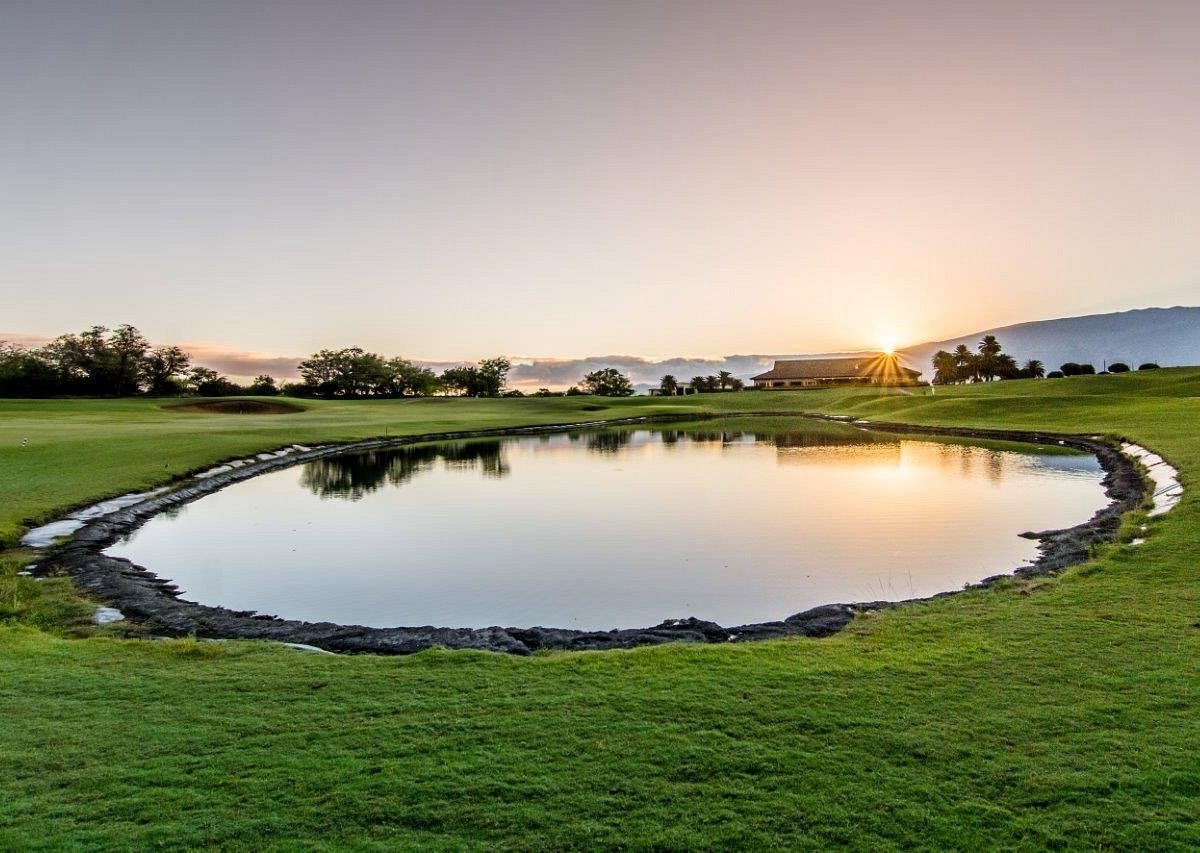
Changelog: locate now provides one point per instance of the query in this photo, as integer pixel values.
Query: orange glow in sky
(459, 180)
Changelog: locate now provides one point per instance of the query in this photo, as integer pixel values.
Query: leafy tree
(163, 369)
(321, 372)
(493, 374)
(403, 378)
(574, 391)
(27, 373)
(485, 379)
(736, 384)
(1148, 366)
(297, 389)
(1071, 368)
(99, 361)
(1054, 374)
(128, 348)
(1118, 367)
(206, 382)
(263, 386)
(607, 382)
(461, 379)
(346, 373)
(545, 392)
(80, 360)
(1087, 370)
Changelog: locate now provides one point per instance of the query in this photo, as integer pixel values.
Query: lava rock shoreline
(145, 598)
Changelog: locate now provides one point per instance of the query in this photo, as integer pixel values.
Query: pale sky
(453, 180)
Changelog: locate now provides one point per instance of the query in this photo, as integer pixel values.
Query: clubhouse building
(881, 369)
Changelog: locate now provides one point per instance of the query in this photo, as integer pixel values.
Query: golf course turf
(1047, 712)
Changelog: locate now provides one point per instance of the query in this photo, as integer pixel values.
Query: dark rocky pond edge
(144, 597)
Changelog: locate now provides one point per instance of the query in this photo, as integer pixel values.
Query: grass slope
(1054, 713)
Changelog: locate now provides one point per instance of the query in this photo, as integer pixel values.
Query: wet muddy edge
(144, 597)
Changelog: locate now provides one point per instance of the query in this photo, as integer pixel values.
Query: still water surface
(617, 528)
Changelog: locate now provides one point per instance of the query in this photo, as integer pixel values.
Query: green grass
(1060, 712)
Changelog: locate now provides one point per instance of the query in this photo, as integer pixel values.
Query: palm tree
(1006, 366)
(945, 368)
(1033, 369)
(988, 365)
(669, 385)
(723, 379)
(989, 346)
(965, 363)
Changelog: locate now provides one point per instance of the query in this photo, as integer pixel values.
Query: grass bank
(1056, 712)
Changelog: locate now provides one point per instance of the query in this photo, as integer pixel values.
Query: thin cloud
(23, 340)
(241, 363)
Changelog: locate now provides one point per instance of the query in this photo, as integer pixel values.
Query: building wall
(771, 384)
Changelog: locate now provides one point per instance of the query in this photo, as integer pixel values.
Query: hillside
(1166, 336)
(1169, 337)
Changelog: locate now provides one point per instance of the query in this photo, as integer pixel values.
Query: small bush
(1148, 366)
(1118, 367)
(1055, 374)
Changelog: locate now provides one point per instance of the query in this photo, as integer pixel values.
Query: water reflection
(353, 476)
(607, 442)
(734, 521)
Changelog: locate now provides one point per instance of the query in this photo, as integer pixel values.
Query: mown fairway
(1061, 712)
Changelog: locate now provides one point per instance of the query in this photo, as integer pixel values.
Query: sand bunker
(238, 407)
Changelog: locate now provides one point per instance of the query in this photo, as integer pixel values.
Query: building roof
(833, 368)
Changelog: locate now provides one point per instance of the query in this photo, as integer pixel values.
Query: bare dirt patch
(238, 407)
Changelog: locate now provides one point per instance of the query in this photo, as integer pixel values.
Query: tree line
(989, 362)
(121, 362)
(98, 362)
(1072, 368)
(723, 381)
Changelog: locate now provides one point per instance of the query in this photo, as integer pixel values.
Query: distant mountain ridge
(1166, 336)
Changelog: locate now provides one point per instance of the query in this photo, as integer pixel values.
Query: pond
(734, 522)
